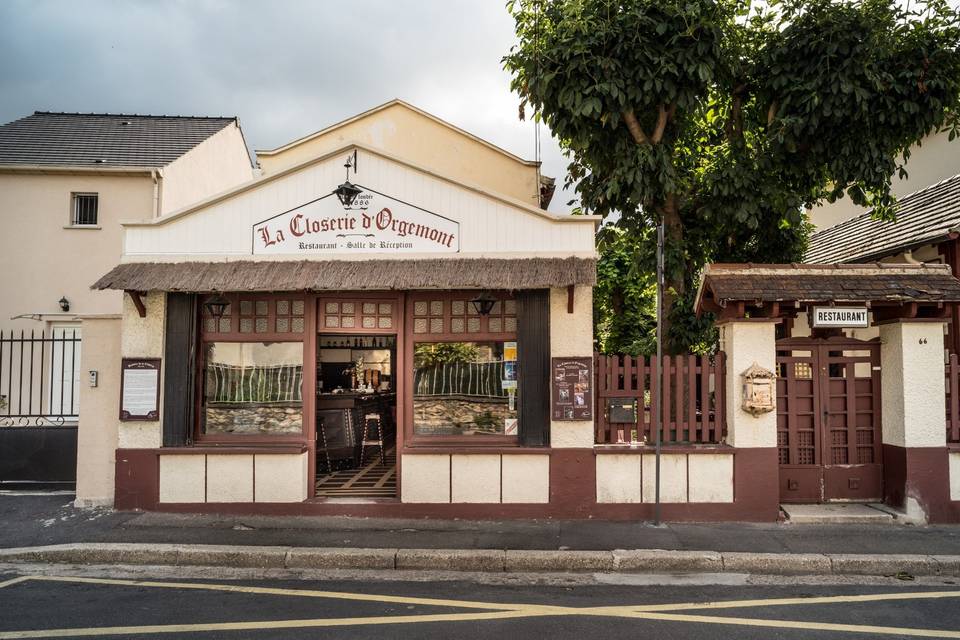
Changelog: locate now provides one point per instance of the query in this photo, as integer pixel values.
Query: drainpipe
(157, 175)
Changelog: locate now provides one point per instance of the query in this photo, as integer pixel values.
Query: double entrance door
(828, 420)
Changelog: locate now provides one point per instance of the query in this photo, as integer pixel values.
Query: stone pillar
(757, 473)
(97, 427)
(916, 473)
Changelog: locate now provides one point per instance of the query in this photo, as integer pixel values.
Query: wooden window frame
(307, 340)
(414, 440)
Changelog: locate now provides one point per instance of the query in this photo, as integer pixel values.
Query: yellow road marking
(307, 593)
(781, 602)
(494, 610)
(801, 624)
(7, 583)
(263, 625)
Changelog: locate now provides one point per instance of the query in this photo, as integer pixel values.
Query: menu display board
(140, 389)
(572, 388)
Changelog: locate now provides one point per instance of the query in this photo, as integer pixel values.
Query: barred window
(84, 209)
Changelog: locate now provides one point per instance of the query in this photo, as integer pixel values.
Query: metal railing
(626, 393)
(39, 378)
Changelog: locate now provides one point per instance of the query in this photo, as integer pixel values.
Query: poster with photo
(572, 388)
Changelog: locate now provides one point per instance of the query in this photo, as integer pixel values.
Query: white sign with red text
(374, 223)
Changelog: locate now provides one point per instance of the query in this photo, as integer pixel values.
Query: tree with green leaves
(726, 120)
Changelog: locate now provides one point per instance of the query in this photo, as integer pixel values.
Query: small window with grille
(84, 211)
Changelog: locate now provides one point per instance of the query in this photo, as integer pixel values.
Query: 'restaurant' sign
(840, 317)
(374, 223)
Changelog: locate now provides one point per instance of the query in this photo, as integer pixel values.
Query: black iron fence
(39, 378)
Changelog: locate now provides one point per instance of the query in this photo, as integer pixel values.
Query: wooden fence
(693, 398)
(953, 399)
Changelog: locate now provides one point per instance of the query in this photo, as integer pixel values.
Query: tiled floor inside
(373, 480)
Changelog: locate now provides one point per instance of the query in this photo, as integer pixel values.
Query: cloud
(286, 68)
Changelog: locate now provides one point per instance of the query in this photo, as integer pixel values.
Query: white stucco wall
(697, 478)
(97, 434)
(913, 390)
(43, 258)
(746, 343)
(198, 477)
(487, 478)
(143, 338)
(217, 164)
(935, 160)
(571, 335)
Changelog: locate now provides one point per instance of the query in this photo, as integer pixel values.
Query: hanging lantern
(484, 303)
(216, 306)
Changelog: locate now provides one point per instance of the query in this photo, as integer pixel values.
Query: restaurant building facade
(366, 330)
(375, 338)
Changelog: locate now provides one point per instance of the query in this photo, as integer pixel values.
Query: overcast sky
(286, 68)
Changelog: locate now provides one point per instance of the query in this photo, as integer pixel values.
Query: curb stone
(777, 563)
(663, 561)
(485, 560)
(891, 564)
(649, 561)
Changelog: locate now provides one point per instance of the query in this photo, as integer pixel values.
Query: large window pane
(253, 388)
(465, 388)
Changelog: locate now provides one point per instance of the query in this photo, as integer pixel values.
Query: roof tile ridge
(129, 115)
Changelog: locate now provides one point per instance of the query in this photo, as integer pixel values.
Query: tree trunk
(674, 281)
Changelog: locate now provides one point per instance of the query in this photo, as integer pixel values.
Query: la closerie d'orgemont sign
(374, 223)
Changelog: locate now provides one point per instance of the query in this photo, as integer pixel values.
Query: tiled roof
(829, 283)
(109, 140)
(925, 216)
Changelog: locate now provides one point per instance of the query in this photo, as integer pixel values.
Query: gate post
(97, 426)
(915, 458)
(756, 474)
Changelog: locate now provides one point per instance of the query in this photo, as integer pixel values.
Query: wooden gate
(828, 420)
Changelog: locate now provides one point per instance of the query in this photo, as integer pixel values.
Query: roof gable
(103, 140)
(396, 102)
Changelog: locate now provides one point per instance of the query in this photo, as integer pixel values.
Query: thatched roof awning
(333, 275)
(818, 283)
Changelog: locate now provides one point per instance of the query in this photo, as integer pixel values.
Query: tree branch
(634, 127)
(772, 112)
(664, 113)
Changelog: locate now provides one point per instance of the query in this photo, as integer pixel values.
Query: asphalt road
(62, 605)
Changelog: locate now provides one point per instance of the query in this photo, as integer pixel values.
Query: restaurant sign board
(373, 223)
(572, 388)
(840, 317)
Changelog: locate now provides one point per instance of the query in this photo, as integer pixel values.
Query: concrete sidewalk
(48, 529)
(51, 519)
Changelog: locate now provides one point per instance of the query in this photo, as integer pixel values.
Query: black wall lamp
(348, 192)
(484, 303)
(64, 304)
(216, 306)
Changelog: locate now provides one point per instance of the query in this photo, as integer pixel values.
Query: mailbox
(622, 410)
(759, 390)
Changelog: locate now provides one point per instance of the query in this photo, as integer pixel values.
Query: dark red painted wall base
(572, 495)
(921, 473)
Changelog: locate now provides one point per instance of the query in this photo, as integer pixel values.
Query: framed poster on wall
(571, 384)
(140, 389)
